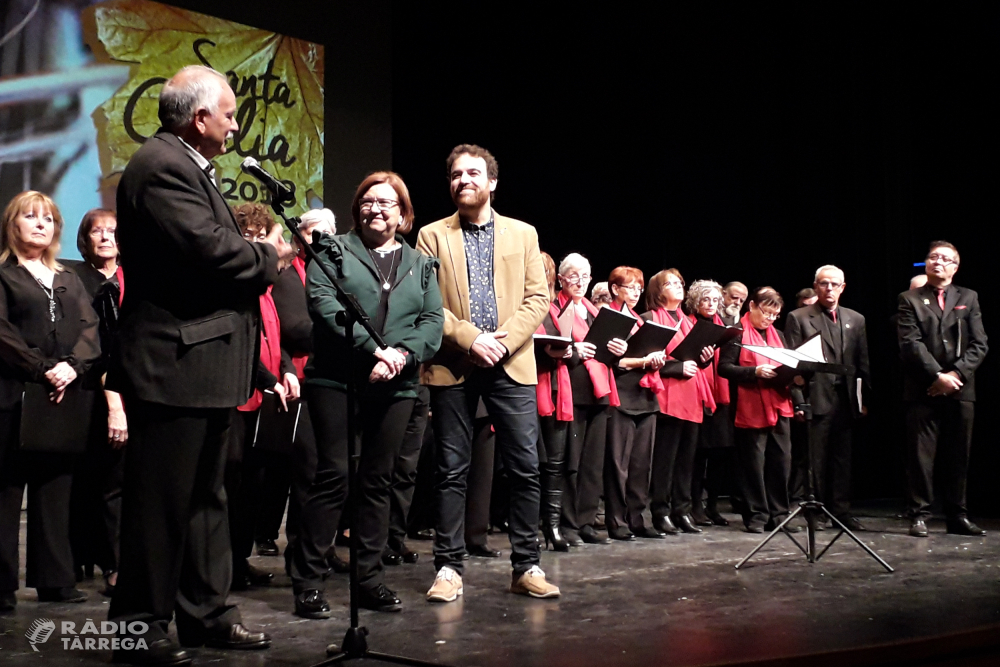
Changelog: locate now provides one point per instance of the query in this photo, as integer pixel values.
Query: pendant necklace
(392, 262)
(50, 293)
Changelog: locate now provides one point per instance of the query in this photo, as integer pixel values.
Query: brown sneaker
(533, 583)
(447, 586)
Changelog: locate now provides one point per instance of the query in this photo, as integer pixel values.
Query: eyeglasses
(635, 289)
(574, 279)
(769, 314)
(673, 283)
(383, 204)
(98, 232)
(944, 259)
(829, 284)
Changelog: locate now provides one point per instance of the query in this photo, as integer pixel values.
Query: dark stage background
(732, 141)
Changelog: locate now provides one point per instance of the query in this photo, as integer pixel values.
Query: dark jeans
(584, 470)
(381, 425)
(512, 408)
(175, 550)
(303, 470)
(627, 469)
(765, 461)
(404, 478)
(938, 428)
(479, 485)
(48, 478)
(673, 466)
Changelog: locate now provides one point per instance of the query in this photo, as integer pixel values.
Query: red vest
(270, 346)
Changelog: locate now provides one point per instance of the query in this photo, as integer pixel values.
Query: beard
(474, 199)
(732, 310)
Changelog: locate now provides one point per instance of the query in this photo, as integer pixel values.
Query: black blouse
(635, 400)
(30, 341)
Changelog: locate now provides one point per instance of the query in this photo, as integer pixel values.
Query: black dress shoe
(159, 653)
(852, 524)
(918, 528)
(664, 525)
(649, 533)
(70, 595)
(336, 563)
(425, 534)
(379, 598)
(590, 536)
(267, 547)
(717, 519)
(311, 604)
(8, 602)
(686, 523)
(789, 528)
(247, 577)
(701, 519)
(391, 558)
(572, 537)
(481, 552)
(621, 533)
(409, 556)
(238, 637)
(109, 588)
(962, 526)
(755, 528)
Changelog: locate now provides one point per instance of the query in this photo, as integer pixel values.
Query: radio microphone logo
(39, 632)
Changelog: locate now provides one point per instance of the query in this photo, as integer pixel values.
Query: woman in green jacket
(397, 287)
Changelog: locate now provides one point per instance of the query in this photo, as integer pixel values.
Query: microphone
(279, 191)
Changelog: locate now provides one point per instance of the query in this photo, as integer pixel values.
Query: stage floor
(677, 601)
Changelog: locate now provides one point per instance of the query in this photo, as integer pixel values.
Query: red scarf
(712, 387)
(680, 397)
(759, 406)
(563, 408)
(121, 285)
(299, 360)
(600, 376)
(270, 346)
(650, 379)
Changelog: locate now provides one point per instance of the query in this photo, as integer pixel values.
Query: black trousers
(480, 483)
(830, 438)
(765, 462)
(797, 482)
(382, 423)
(674, 450)
(512, 408)
(49, 478)
(552, 449)
(175, 549)
(584, 471)
(939, 428)
(627, 468)
(303, 469)
(404, 478)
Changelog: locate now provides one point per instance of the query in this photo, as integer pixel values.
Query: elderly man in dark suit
(189, 332)
(837, 400)
(941, 343)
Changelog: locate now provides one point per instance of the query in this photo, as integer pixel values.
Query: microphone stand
(355, 643)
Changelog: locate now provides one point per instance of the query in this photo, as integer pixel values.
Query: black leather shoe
(311, 604)
(409, 556)
(701, 519)
(664, 525)
(590, 536)
(649, 533)
(852, 524)
(267, 547)
(238, 637)
(755, 528)
(159, 653)
(962, 526)
(391, 558)
(717, 519)
(572, 537)
(481, 552)
(789, 528)
(245, 578)
(379, 598)
(425, 534)
(8, 602)
(336, 564)
(69, 595)
(686, 523)
(621, 533)
(918, 528)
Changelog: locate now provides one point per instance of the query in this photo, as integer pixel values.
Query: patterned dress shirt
(478, 241)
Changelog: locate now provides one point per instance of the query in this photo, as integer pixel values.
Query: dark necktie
(940, 298)
(833, 316)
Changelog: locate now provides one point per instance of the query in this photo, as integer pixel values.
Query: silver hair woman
(698, 290)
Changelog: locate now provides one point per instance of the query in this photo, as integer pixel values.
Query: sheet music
(811, 350)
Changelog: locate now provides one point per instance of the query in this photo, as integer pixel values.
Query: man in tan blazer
(495, 296)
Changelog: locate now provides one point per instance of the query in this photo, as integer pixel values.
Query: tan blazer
(521, 292)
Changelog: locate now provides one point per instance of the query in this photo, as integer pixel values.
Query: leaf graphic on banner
(278, 82)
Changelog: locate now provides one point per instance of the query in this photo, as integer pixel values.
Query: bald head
(198, 106)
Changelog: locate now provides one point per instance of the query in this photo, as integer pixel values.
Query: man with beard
(734, 294)
(941, 343)
(495, 296)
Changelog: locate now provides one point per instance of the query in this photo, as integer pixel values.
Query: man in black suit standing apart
(837, 400)
(189, 334)
(941, 343)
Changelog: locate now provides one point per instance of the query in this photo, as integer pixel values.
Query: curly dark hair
(253, 218)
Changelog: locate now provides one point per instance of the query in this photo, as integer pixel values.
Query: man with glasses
(941, 342)
(837, 400)
(495, 295)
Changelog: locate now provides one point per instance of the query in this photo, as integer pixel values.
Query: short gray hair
(193, 87)
(698, 290)
(574, 260)
(830, 267)
(317, 216)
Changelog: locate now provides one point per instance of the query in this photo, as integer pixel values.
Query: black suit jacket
(808, 321)
(932, 341)
(189, 327)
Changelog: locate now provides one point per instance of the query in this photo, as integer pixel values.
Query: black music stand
(813, 509)
(355, 643)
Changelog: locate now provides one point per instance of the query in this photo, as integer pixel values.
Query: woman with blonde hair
(48, 336)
